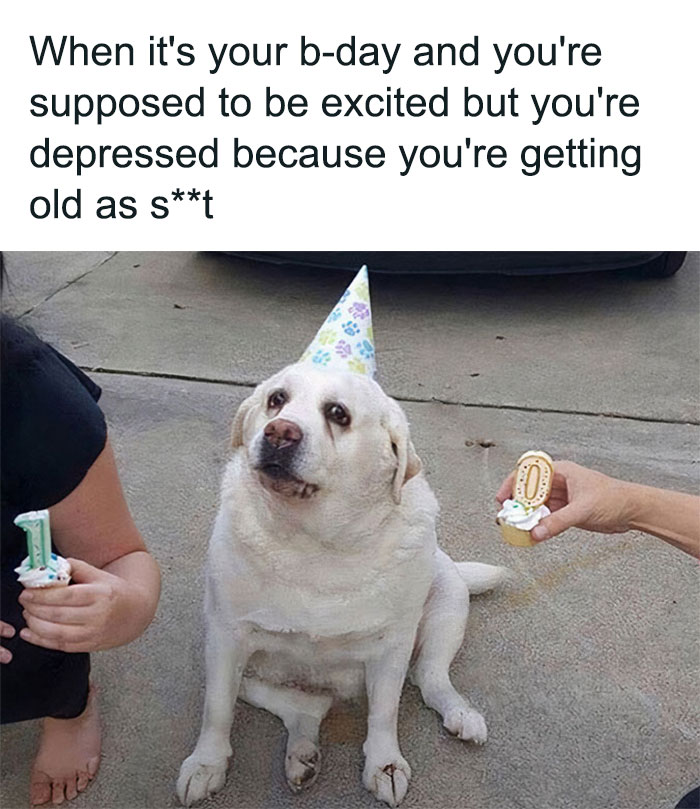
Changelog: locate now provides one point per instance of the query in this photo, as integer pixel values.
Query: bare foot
(68, 757)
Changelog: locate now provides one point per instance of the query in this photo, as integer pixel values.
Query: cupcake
(41, 567)
(55, 574)
(532, 486)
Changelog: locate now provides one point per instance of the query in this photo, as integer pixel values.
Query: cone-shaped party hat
(345, 342)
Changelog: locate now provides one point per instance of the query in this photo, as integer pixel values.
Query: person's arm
(671, 516)
(595, 502)
(116, 581)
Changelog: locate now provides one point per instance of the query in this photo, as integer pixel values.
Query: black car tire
(664, 266)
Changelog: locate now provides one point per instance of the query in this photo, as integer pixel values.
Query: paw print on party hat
(351, 328)
(343, 348)
(327, 336)
(351, 317)
(359, 310)
(357, 366)
(362, 291)
(366, 349)
(321, 357)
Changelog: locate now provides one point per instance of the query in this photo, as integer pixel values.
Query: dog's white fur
(329, 585)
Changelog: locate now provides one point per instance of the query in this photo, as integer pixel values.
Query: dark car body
(656, 264)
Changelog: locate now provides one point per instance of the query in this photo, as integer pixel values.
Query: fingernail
(539, 533)
(25, 634)
(26, 596)
(5, 656)
(8, 632)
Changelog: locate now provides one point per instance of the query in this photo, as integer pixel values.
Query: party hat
(345, 341)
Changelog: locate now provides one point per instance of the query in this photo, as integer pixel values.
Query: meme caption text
(216, 94)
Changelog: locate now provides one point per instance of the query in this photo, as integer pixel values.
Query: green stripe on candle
(31, 544)
(45, 539)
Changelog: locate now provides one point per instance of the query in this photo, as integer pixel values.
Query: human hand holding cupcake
(592, 501)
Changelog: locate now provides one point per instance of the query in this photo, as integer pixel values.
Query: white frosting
(515, 513)
(55, 574)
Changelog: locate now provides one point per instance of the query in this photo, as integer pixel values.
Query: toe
(93, 766)
(83, 780)
(39, 790)
(391, 785)
(198, 781)
(302, 765)
(466, 723)
(58, 792)
(388, 783)
(71, 788)
(301, 773)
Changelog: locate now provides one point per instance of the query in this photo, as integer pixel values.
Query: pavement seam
(69, 283)
(97, 369)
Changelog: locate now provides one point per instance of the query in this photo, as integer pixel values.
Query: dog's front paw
(199, 779)
(302, 764)
(466, 723)
(388, 782)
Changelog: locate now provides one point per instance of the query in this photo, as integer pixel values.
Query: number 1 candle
(41, 567)
(37, 527)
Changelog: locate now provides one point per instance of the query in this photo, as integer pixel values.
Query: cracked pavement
(585, 665)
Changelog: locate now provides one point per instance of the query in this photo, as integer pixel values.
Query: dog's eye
(338, 414)
(277, 399)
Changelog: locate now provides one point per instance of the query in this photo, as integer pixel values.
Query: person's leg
(40, 682)
(44, 683)
(68, 756)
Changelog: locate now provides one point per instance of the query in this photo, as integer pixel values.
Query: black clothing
(52, 433)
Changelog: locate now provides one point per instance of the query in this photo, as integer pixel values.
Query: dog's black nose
(282, 433)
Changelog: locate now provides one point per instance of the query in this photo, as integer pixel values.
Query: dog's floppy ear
(408, 463)
(238, 421)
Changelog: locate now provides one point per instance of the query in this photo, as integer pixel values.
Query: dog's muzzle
(277, 459)
(278, 449)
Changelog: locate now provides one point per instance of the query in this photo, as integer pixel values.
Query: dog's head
(308, 432)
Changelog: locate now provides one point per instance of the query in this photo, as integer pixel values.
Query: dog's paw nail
(302, 765)
(388, 783)
(198, 781)
(467, 724)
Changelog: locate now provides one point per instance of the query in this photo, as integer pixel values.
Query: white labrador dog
(324, 579)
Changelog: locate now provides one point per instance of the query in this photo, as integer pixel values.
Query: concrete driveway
(585, 665)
